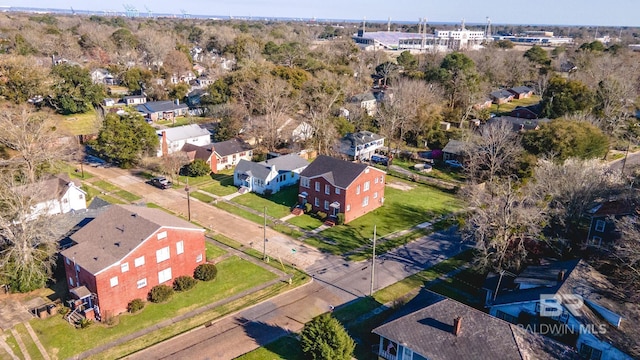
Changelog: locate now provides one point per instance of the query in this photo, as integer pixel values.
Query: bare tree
(157, 46)
(172, 163)
(321, 95)
(35, 138)
(504, 225)
(27, 244)
(493, 153)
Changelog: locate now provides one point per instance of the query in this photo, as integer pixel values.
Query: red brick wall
(348, 197)
(115, 299)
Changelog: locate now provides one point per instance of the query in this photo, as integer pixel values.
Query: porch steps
(329, 223)
(297, 211)
(74, 317)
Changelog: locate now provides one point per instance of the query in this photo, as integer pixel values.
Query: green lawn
(305, 222)
(234, 275)
(503, 109)
(285, 348)
(106, 186)
(213, 251)
(278, 205)
(127, 195)
(91, 191)
(31, 346)
(111, 199)
(202, 197)
(401, 210)
(221, 186)
(13, 344)
(80, 124)
(287, 230)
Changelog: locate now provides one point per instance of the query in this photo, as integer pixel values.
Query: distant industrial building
(441, 40)
(538, 37)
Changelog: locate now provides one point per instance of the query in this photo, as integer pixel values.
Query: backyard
(278, 205)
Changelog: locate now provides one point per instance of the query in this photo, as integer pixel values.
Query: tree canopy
(124, 139)
(73, 91)
(563, 139)
(564, 97)
(324, 338)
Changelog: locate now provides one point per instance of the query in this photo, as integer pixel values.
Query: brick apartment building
(336, 186)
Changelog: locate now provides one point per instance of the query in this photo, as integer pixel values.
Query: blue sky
(569, 12)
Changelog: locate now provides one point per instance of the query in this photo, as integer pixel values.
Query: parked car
(379, 159)
(160, 182)
(453, 163)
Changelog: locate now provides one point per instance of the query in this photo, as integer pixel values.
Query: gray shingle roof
(338, 172)
(429, 332)
(499, 94)
(521, 89)
(184, 132)
(199, 152)
(520, 123)
(288, 162)
(257, 170)
(48, 189)
(116, 232)
(454, 147)
(160, 106)
(358, 98)
(230, 147)
(360, 138)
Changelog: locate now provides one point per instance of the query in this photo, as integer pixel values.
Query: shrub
(308, 207)
(321, 215)
(340, 220)
(160, 293)
(184, 283)
(268, 193)
(135, 305)
(84, 323)
(197, 168)
(64, 310)
(205, 272)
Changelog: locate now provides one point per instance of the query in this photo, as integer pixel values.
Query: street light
(373, 260)
(186, 188)
(264, 236)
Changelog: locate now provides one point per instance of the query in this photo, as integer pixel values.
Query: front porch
(83, 305)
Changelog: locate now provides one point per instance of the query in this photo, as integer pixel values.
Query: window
(179, 247)
(348, 207)
(365, 201)
(327, 189)
(317, 185)
(68, 261)
(164, 275)
(316, 202)
(600, 224)
(138, 261)
(65, 200)
(162, 235)
(337, 191)
(382, 178)
(358, 189)
(141, 283)
(367, 185)
(326, 205)
(199, 258)
(596, 241)
(71, 281)
(375, 195)
(114, 281)
(590, 353)
(124, 267)
(375, 181)
(81, 196)
(162, 254)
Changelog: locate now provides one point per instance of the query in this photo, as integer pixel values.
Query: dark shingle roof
(116, 232)
(230, 147)
(520, 123)
(48, 189)
(159, 106)
(429, 332)
(358, 98)
(521, 89)
(338, 172)
(199, 152)
(455, 147)
(499, 94)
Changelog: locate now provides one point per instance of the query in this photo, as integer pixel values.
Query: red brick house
(221, 155)
(336, 186)
(124, 252)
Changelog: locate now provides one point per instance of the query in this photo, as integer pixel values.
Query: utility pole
(264, 236)
(373, 260)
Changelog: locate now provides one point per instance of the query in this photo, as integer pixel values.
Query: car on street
(160, 182)
(453, 163)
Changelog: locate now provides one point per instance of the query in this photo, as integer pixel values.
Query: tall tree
(564, 96)
(157, 45)
(125, 139)
(73, 91)
(324, 338)
(34, 138)
(563, 139)
(21, 78)
(27, 244)
(321, 95)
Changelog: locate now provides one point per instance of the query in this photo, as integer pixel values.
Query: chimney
(457, 323)
(164, 145)
(560, 275)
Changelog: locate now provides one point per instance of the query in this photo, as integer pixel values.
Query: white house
(173, 139)
(270, 175)
(303, 132)
(56, 195)
(366, 101)
(574, 303)
(361, 145)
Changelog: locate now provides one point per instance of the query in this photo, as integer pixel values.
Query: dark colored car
(160, 182)
(379, 159)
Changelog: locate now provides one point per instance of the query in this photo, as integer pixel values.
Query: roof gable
(116, 232)
(230, 147)
(184, 132)
(288, 162)
(337, 172)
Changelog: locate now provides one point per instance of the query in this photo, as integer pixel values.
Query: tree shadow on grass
(262, 332)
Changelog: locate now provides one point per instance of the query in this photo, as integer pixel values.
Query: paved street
(335, 281)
